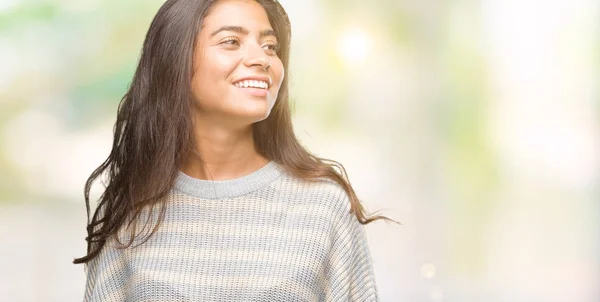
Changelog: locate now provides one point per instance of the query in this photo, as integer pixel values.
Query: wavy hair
(153, 133)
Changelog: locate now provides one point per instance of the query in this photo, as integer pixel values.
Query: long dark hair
(153, 133)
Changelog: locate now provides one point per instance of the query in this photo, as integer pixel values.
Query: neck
(223, 153)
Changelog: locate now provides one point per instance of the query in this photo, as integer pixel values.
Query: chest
(231, 256)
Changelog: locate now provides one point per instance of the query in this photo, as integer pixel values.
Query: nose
(256, 56)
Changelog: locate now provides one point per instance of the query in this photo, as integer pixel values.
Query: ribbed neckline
(217, 189)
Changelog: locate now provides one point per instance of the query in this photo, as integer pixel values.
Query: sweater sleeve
(105, 276)
(349, 269)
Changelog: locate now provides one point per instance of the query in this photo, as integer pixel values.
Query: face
(237, 73)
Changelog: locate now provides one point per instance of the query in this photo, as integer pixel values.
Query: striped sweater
(266, 236)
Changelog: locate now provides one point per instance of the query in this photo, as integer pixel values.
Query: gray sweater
(266, 236)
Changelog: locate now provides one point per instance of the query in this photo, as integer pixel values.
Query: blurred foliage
(73, 60)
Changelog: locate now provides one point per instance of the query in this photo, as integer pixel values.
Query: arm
(348, 269)
(105, 276)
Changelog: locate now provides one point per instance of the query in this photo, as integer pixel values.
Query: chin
(260, 116)
(249, 111)
(253, 116)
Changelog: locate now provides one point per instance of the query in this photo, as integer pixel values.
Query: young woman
(210, 196)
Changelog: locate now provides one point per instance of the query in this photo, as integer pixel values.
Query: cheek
(211, 74)
(222, 65)
(217, 68)
(279, 71)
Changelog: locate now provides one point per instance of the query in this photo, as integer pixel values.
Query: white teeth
(252, 83)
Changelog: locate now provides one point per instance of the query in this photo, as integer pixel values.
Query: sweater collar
(217, 189)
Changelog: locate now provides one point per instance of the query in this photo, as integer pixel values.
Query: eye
(230, 41)
(272, 47)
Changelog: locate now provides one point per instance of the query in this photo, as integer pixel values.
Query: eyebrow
(242, 30)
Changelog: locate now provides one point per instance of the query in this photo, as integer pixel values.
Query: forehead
(246, 13)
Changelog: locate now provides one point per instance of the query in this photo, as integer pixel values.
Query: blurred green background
(474, 123)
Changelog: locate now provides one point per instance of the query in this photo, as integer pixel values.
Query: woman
(210, 195)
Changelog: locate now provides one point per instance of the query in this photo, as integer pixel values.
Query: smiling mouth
(252, 84)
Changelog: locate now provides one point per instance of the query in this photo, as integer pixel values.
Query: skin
(224, 113)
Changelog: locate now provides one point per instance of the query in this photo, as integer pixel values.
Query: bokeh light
(474, 123)
(353, 46)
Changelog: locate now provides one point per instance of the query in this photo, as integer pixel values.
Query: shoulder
(324, 193)
(322, 187)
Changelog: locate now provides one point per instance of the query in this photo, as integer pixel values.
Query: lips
(256, 92)
(252, 83)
